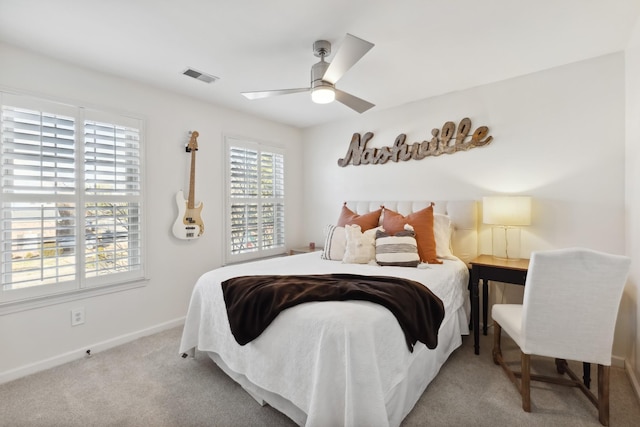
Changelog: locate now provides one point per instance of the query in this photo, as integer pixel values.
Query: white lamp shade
(506, 210)
(323, 94)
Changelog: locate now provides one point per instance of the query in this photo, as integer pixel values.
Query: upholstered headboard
(463, 214)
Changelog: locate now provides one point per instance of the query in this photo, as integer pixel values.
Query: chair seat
(509, 317)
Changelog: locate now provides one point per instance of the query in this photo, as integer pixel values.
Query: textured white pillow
(442, 230)
(360, 247)
(335, 243)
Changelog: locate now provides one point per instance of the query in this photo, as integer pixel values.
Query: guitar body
(189, 223)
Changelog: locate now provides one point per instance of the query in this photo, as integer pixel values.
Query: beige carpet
(146, 383)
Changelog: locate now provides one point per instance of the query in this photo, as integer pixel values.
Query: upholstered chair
(569, 310)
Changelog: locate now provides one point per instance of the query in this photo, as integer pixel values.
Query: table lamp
(506, 214)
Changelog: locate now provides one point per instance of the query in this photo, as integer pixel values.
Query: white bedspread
(339, 362)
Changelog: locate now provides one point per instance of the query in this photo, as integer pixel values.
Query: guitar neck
(192, 181)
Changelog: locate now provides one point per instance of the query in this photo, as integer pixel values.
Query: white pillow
(360, 247)
(335, 243)
(442, 230)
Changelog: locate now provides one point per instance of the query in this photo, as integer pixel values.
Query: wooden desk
(485, 268)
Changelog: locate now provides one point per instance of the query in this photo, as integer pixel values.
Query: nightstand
(485, 268)
(303, 250)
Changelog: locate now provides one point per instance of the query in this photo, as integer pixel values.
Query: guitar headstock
(193, 142)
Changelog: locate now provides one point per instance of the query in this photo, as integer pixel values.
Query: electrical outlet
(77, 316)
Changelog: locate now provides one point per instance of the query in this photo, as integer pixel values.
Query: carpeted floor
(146, 383)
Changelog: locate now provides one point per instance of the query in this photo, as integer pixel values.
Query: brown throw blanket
(254, 301)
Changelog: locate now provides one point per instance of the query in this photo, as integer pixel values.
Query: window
(255, 200)
(71, 198)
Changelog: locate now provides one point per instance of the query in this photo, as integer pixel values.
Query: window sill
(45, 301)
(245, 261)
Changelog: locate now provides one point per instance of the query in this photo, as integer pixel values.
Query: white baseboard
(617, 361)
(635, 385)
(80, 352)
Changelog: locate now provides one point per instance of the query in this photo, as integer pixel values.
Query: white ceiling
(423, 48)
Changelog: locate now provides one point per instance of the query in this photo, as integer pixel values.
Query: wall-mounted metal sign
(447, 141)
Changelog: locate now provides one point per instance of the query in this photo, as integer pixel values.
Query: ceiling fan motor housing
(321, 48)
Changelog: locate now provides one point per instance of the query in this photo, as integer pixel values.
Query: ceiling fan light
(323, 95)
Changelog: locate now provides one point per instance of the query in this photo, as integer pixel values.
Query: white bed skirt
(401, 399)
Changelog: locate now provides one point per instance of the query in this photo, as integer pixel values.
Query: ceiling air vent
(198, 75)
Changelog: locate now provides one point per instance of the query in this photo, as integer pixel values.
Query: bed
(336, 363)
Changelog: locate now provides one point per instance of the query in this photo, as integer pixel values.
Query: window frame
(81, 286)
(259, 146)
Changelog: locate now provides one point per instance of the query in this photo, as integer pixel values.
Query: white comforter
(339, 362)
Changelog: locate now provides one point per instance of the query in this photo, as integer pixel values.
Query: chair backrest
(571, 301)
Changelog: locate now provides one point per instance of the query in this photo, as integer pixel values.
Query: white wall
(559, 136)
(630, 307)
(33, 339)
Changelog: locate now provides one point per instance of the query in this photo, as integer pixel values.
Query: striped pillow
(400, 249)
(335, 243)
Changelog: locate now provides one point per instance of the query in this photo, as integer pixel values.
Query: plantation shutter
(38, 206)
(112, 179)
(272, 186)
(38, 151)
(256, 200)
(70, 198)
(244, 194)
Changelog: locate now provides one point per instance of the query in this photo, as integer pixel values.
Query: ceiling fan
(324, 75)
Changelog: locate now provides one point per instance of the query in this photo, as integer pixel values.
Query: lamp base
(506, 242)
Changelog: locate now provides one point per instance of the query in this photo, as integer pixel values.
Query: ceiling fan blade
(270, 93)
(350, 52)
(353, 102)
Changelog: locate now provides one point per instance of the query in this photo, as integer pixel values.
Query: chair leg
(603, 394)
(601, 402)
(497, 351)
(525, 382)
(561, 366)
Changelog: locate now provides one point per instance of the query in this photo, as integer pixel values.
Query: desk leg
(475, 310)
(485, 306)
(586, 374)
(470, 301)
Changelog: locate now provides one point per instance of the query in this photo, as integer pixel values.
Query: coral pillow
(366, 222)
(422, 223)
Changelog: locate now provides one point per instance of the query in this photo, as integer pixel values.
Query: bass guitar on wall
(189, 223)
